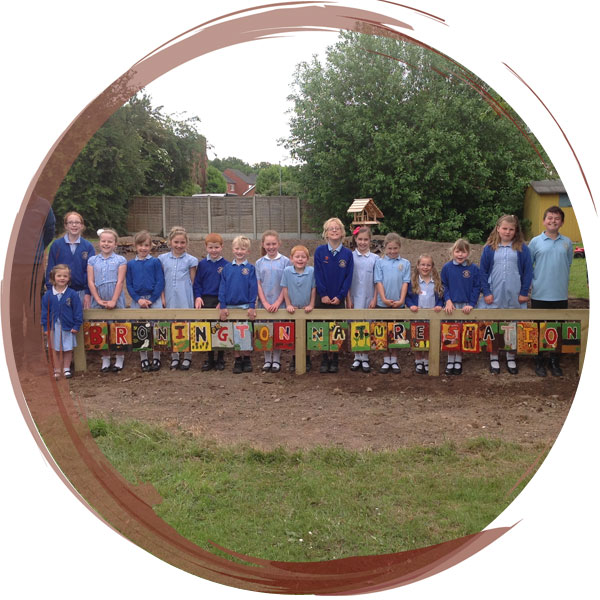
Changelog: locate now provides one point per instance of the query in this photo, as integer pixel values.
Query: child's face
(299, 259)
(552, 222)
(214, 249)
(240, 253)
(178, 244)
(271, 246)
(143, 249)
(506, 231)
(424, 267)
(74, 225)
(363, 242)
(460, 255)
(392, 250)
(61, 278)
(334, 233)
(107, 243)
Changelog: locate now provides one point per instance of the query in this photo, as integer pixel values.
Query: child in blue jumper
(460, 279)
(145, 283)
(62, 317)
(239, 289)
(206, 289)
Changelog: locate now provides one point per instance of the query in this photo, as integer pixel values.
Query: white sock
(393, 360)
(277, 356)
(426, 362)
(143, 356)
(458, 358)
(268, 356)
(119, 360)
(105, 361)
(387, 360)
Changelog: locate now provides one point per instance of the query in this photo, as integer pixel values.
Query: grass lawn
(319, 504)
(578, 287)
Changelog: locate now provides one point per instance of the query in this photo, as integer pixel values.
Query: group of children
(78, 278)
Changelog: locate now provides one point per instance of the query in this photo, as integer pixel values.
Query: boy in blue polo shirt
(552, 255)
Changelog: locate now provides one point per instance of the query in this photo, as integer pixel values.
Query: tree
(138, 151)
(275, 180)
(232, 162)
(387, 119)
(215, 181)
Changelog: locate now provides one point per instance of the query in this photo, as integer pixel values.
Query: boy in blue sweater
(206, 288)
(239, 289)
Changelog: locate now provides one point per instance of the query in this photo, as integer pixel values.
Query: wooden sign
(221, 334)
(338, 332)
(398, 335)
(488, 336)
(141, 336)
(95, 336)
(470, 337)
(242, 335)
(284, 335)
(360, 336)
(507, 333)
(200, 336)
(180, 336)
(527, 337)
(451, 336)
(161, 335)
(550, 334)
(120, 337)
(317, 335)
(571, 337)
(379, 335)
(419, 335)
(263, 336)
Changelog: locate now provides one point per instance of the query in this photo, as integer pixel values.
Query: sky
(240, 94)
(58, 56)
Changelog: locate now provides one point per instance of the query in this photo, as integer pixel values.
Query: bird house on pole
(365, 212)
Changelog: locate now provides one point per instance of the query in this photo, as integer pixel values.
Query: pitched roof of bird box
(365, 204)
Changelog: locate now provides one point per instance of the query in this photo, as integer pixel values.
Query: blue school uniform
(106, 274)
(299, 285)
(393, 273)
(551, 265)
(425, 296)
(239, 287)
(269, 273)
(461, 283)
(208, 277)
(362, 289)
(75, 255)
(62, 312)
(333, 271)
(178, 283)
(145, 279)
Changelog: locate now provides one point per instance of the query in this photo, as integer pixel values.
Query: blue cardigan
(68, 309)
(461, 283)
(60, 253)
(525, 269)
(412, 298)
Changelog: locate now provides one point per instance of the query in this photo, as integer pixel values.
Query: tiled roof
(548, 186)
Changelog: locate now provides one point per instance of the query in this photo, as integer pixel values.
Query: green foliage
(232, 162)
(578, 279)
(389, 120)
(318, 504)
(215, 181)
(138, 151)
(277, 180)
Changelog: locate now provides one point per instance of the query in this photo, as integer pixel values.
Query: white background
(58, 56)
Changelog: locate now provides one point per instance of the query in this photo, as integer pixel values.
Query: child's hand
(372, 304)
(198, 304)
(449, 307)
(523, 299)
(267, 306)
(489, 299)
(308, 308)
(144, 303)
(110, 304)
(349, 302)
(87, 301)
(437, 308)
(223, 314)
(397, 303)
(274, 307)
(291, 309)
(467, 308)
(414, 308)
(325, 300)
(252, 314)
(75, 331)
(335, 301)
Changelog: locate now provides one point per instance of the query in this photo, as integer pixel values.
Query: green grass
(578, 287)
(319, 504)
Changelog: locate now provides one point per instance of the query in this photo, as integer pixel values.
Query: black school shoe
(237, 366)
(333, 364)
(220, 364)
(457, 369)
(324, 368)
(246, 365)
(208, 365)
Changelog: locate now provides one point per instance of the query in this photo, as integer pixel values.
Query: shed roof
(548, 186)
(361, 204)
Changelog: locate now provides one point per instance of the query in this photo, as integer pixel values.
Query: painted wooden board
(550, 334)
(120, 337)
(360, 336)
(284, 335)
(161, 335)
(470, 337)
(451, 335)
(180, 336)
(379, 335)
(419, 335)
(221, 334)
(571, 337)
(95, 335)
(489, 340)
(242, 335)
(141, 336)
(317, 335)
(200, 336)
(398, 335)
(338, 332)
(507, 332)
(263, 336)
(528, 341)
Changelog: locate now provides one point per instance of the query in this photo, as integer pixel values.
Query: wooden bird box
(364, 212)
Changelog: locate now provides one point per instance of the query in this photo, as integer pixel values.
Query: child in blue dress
(145, 284)
(62, 317)
(392, 276)
(179, 269)
(334, 265)
(269, 270)
(424, 291)
(363, 293)
(460, 279)
(74, 251)
(506, 271)
(106, 278)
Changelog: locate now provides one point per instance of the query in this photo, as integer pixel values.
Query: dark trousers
(549, 304)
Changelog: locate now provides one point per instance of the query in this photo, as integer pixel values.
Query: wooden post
(299, 212)
(434, 344)
(164, 216)
(300, 346)
(79, 359)
(254, 218)
(209, 213)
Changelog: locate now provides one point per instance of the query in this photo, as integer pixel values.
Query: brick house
(239, 183)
